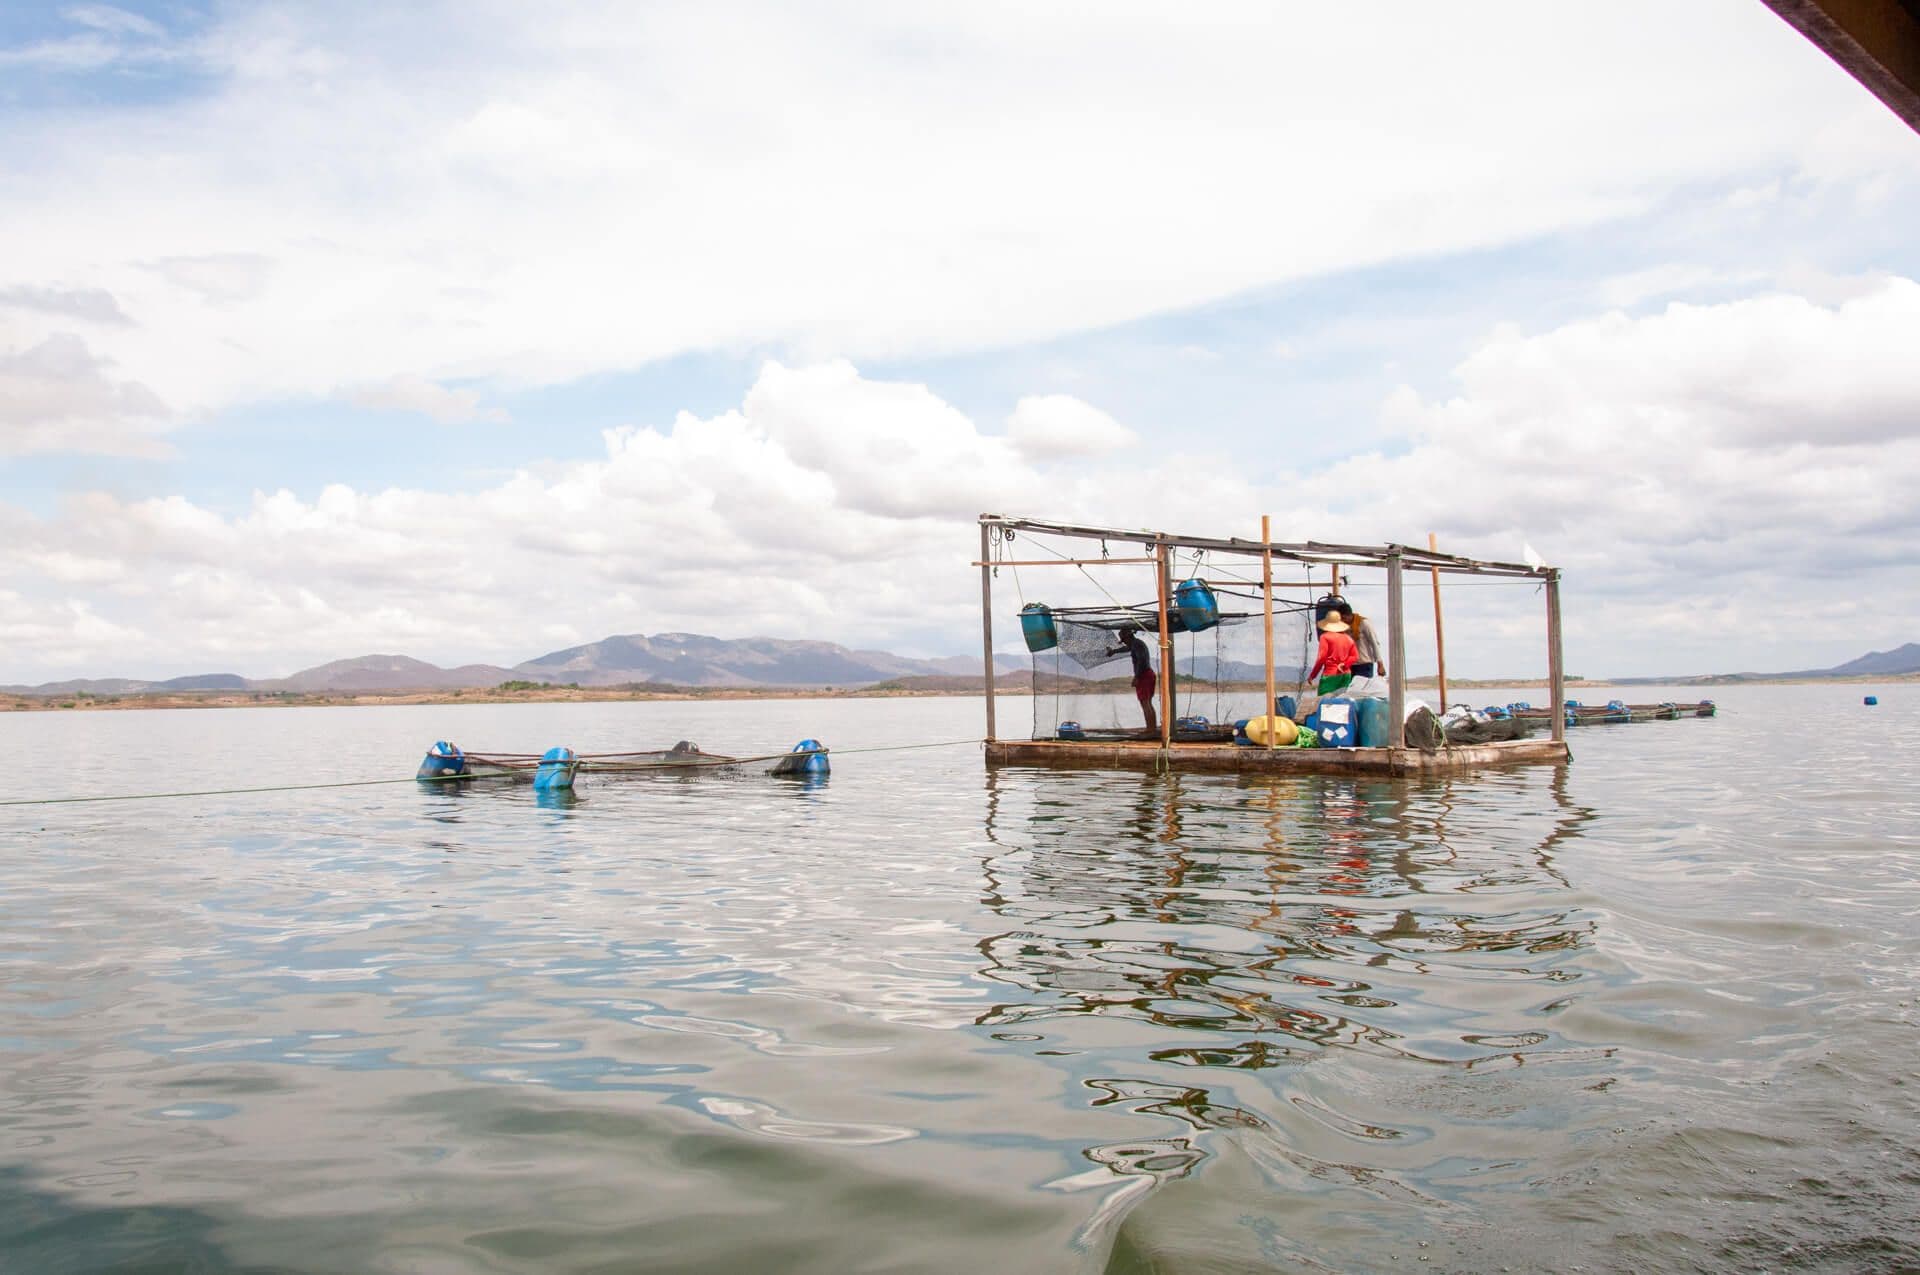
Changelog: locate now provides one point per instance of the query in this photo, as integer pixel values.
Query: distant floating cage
(1614, 712)
(681, 758)
(557, 767)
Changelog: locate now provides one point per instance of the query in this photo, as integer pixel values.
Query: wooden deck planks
(1226, 758)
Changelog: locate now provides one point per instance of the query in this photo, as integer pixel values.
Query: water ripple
(925, 1016)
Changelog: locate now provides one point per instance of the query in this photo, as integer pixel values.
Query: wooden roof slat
(1312, 551)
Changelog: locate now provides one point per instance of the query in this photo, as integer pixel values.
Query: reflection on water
(1269, 920)
(923, 1016)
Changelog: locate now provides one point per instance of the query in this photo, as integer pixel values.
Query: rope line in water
(429, 779)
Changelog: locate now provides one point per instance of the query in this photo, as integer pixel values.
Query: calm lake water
(1652, 1011)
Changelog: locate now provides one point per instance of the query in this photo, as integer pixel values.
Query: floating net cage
(1083, 685)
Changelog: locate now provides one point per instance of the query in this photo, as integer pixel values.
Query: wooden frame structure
(1160, 547)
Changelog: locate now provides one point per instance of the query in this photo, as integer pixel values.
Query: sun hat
(1333, 624)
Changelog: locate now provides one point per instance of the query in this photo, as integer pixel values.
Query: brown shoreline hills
(672, 662)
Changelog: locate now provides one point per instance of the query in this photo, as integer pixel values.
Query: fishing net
(1083, 686)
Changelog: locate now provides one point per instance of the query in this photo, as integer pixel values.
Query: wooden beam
(1396, 657)
(1073, 562)
(1163, 591)
(1439, 628)
(1312, 551)
(1266, 584)
(1877, 42)
(1227, 759)
(986, 620)
(1556, 667)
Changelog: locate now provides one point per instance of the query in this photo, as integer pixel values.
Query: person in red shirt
(1334, 664)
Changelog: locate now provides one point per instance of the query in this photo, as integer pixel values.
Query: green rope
(225, 792)
(899, 748)
(427, 779)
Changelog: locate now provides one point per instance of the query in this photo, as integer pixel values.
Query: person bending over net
(1143, 679)
(1334, 664)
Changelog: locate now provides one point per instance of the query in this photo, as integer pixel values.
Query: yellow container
(1282, 729)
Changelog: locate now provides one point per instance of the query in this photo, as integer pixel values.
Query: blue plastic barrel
(1199, 609)
(1338, 718)
(1376, 717)
(1037, 627)
(1871, 700)
(812, 757)
(442, 759)
(807, 760)
(1285, 705)
(555, 769)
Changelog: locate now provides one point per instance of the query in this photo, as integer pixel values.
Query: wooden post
(1266, 586)
(1164, 589)
(986, 622)
(1439, 627)
(1396, 656)
(1556, 668)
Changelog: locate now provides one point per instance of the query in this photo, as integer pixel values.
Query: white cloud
(1045, 426)
(1668, 279)
(429, 398)
(579, 187)
(1712, 476)
(1641, 455)
(58, 395)
(91, 305)
(217, 276)
(827, 505)
(109, 18)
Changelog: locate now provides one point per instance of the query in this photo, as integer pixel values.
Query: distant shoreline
(911, 688)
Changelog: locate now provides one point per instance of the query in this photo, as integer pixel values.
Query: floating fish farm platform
(1209, 654)
(1149, 755)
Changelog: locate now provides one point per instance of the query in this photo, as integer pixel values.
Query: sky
(473, 330)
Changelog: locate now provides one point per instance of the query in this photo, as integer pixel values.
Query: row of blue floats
(557, 768)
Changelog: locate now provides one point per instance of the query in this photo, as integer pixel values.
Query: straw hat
(1333, 624)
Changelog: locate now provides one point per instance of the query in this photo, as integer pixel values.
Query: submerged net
(1083, 687)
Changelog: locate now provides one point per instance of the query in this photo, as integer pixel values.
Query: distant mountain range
(676, 659)
(693, 659)
(1901, 660)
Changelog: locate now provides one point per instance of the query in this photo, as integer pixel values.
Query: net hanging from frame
(1083, 686)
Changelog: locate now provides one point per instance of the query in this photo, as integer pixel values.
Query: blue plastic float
(1038, 628)
(1199, 609)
